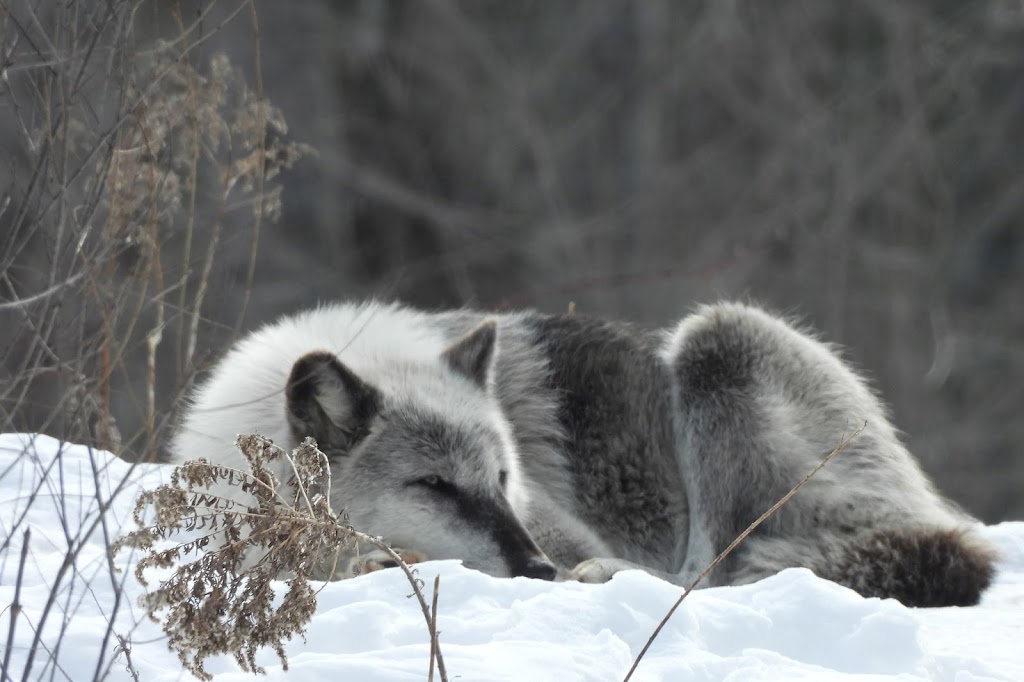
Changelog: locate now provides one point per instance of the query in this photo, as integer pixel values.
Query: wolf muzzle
(536, 567)
(519, 550)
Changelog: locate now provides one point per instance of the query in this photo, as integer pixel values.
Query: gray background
(856, 164)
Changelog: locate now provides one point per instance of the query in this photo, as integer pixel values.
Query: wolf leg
(565, 539)
(601, 570)
(758, 405)
(378, 560)
(350, 563)
(730, 367)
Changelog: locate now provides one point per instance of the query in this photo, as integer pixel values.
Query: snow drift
(77, 619)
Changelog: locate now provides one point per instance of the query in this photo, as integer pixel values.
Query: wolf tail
(919, 567)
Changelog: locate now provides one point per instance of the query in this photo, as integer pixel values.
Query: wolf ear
(328, 402)
(473, 356)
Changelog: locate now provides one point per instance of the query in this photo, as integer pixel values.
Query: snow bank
(792, 626)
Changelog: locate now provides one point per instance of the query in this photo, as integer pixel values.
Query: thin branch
(433, 629)
(15, 607)
(261, 176)
(417, 588)
(46, 293)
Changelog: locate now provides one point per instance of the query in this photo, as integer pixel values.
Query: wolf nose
(541, 569)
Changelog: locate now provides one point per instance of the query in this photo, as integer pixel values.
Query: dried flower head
(208, 605)
(217, 602)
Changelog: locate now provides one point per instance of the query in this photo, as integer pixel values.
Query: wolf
(566, 447)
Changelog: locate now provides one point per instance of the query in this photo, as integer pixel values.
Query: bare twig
(15, 607)
(261, 175)
(35, 298)
(124, 645)
(735, 543)
(434, 651)
(429, 615)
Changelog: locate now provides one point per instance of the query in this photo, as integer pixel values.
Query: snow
(792, 626)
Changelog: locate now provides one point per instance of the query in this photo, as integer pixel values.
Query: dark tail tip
(920, 567)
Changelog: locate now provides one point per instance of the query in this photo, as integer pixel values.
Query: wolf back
(543, 445)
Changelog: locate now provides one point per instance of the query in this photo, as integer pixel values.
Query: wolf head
(426, 459)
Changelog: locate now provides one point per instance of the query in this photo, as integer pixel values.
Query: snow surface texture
(792, 626)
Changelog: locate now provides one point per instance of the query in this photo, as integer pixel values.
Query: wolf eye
(502, 478)
(435, 483)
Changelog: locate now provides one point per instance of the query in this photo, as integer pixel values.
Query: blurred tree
(859, 164)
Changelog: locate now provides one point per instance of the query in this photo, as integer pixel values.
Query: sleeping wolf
(553, 446)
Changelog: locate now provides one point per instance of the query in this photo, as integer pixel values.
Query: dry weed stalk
(194, 116)
(212, 604)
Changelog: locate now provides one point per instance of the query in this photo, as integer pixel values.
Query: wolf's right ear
(473, 356)
(327, 401)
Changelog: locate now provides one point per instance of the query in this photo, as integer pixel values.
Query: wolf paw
(378, 560)
(599, 570)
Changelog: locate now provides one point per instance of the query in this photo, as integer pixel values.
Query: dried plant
(149, 160)
(135, 156)
(225, 600)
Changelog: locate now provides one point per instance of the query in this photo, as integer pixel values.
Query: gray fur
(507, 440)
